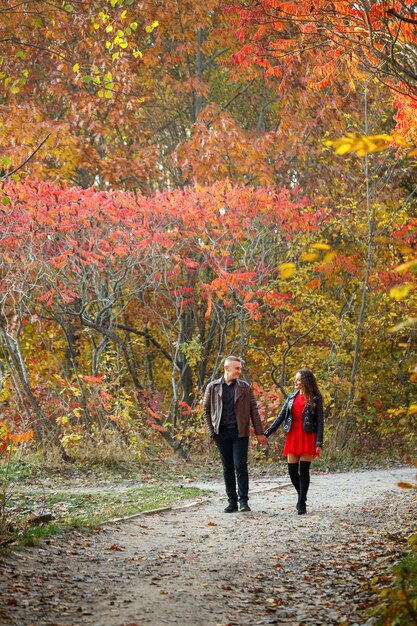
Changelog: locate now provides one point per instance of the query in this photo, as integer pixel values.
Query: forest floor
(197, 565)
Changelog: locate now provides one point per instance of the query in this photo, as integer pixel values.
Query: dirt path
(199, 566)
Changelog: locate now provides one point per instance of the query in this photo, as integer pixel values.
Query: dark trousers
(234, 456)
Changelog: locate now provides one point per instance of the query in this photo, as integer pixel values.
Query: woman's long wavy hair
(309, 385)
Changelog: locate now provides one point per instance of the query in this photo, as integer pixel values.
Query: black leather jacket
(312, 418)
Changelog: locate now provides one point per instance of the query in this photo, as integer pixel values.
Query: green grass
(83, 508)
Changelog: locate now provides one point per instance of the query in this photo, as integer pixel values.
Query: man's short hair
(231, 358)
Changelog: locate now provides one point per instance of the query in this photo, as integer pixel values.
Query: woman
(302, 415)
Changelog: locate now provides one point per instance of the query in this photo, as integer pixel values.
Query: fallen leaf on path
(273, 601)
(115, 547)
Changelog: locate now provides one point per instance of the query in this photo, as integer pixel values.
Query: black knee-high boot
(295, 477)
(304, 485)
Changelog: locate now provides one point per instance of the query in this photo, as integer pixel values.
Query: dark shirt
(228, 413)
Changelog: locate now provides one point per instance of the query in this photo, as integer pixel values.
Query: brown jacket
(246, 408)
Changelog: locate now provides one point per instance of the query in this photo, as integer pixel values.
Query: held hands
(262, 440)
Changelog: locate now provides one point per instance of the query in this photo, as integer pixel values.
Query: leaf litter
(202, 567)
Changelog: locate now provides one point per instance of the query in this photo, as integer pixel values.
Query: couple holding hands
(229, 407)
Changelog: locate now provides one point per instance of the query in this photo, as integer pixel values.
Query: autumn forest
(181, 181)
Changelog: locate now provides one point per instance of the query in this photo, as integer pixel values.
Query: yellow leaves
(137, 53)
(329, 257)
(71, 440)
(104, 17)
(286, 270)
(108, 86)
(309, 256)
(399, 292)
(411, 321)
(320, 246)
(361, 144)
(151, 27)
(368, 144)
(75, 68)
(404, 267)
(313, 253)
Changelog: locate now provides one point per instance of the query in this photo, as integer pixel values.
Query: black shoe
(231, 508)
(244, 507)
(297, 506)
(301, 508)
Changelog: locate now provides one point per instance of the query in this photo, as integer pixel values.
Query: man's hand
(262, 440)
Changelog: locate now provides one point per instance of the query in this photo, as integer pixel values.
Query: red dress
(298, 442)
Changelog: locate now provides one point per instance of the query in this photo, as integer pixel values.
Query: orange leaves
(253, 309)
(276, 299)
(61, 260)
(7, 437)
(300, 37)
(201, 234)
(273, 71)
(209, 305)
(245, 55)
(21, 437)
(93, 379)
(155, 421)
(47, 297)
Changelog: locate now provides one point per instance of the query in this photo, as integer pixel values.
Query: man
(229, 406)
